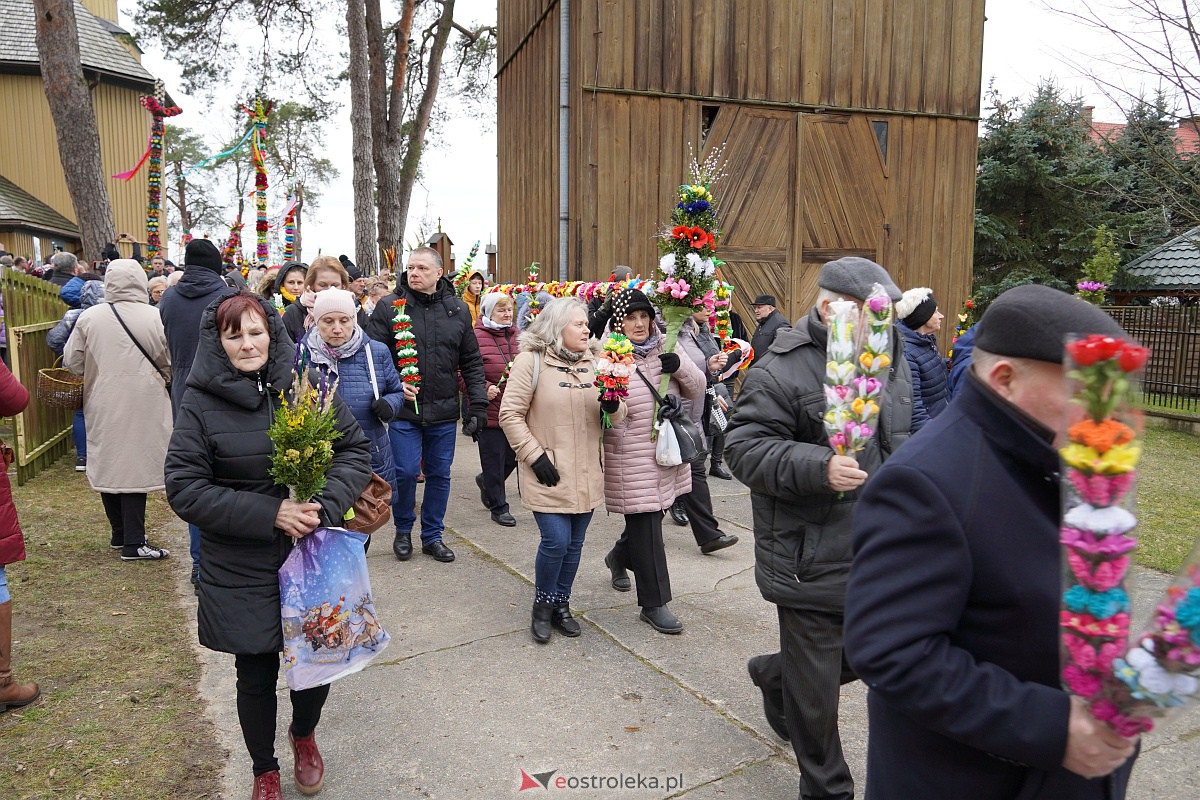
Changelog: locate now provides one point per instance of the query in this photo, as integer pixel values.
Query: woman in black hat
(920, 321)
(634, 483)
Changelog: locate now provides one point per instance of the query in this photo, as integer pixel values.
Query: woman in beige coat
(126, 401)
(634, 484)
(551, 416)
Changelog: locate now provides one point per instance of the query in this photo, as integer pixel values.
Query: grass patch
(109, 642)
(1168, 496)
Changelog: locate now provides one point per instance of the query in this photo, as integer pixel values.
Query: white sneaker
(147, 552)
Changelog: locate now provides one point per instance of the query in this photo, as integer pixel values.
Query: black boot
(540, 627)
(402, 547)
(717, 470)
(562, 619)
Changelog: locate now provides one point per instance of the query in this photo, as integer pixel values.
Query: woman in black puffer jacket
(217, 479)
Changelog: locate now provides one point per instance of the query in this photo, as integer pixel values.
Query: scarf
(569, 356)
(324, 354)
(493, 326)
(288, 297)
(640, 350)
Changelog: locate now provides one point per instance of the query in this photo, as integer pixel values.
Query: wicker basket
(60, 388)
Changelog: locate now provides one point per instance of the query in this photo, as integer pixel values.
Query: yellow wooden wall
(29, 155)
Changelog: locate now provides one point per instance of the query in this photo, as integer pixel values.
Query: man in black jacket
(425, 429)
(770, 323)
(803, 495)
(952, 609)
(181, 309)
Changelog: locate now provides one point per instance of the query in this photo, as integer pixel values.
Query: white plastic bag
(666, 451)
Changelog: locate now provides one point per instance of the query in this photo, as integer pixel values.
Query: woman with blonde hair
(325, 272)
(551, 414)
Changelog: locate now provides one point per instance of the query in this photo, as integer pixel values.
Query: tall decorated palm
(689, 245)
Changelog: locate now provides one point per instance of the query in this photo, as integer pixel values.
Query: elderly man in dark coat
(803, 495)
(953, 603)
(770, 323)
(181, 308)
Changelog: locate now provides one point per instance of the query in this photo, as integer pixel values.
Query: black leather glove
(382, 409)
(606, 306)
(546, 474)
(610, 406)
(670, 362)
(471, 428)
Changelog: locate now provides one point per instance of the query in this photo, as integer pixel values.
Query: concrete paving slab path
(464, 704)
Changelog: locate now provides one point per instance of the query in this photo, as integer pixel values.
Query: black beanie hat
(915, 307)
(202, 253)
(351, 270)
(625, 303)
(1033, 321)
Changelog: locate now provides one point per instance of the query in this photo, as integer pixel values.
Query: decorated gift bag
(330, 629)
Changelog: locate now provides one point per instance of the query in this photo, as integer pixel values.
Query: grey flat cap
(854, 276)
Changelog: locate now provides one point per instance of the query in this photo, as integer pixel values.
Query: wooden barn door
(756, 202)
(841, 191)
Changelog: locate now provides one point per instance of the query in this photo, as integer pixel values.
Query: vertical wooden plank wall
(641, 74)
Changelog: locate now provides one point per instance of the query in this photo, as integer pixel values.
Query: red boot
(266, 786)
(307, 761)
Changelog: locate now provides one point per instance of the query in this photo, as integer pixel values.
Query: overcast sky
(1024, 43)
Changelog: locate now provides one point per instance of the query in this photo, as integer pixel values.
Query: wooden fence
(31, 308)
(1172, 379)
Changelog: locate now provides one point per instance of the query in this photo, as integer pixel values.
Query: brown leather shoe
(266, 786)
(308, 764)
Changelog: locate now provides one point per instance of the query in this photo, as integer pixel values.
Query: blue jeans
(434, 445)
(79, 434)
(4, 596)
(558, 553)
(194, 544)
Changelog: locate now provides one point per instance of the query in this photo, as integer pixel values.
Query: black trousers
(640, 550)
(807, 673)
(257, 706)
(127, 517)
(698, 503)
(497, 460)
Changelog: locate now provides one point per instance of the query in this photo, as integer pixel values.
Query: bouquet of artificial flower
(613, 370)
(461, 278)
(858, 359)
(303, 432)
(1099, 459)
(406, 348)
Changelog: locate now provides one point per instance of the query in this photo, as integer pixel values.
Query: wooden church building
(849, 126)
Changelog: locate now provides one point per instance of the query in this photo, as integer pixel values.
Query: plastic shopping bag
(330, 628)
(666, 449)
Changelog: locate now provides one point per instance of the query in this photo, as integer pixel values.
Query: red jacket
(498, 348)
(13, 399)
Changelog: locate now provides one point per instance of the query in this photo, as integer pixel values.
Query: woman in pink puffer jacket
(634, 484)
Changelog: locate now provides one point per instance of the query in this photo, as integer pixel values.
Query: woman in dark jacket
(289, 284)
(498, 345)
(920, 321)
(13, 399)
(217, 467)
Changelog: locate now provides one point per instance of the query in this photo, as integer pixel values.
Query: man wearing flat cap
(952, 608)
(803, 495)
(770, 322)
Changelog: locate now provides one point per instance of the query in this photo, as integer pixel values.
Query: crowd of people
(883, 565)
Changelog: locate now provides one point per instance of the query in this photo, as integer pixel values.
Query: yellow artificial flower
(1117, 460)
(292, 455)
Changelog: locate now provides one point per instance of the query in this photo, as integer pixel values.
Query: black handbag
(670, 412)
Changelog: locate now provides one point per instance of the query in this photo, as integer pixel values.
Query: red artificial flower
(1132, 357)
(1093, 349)
(681, 232)
(700, 237)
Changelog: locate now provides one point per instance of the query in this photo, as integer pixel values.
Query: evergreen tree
(1041, 190)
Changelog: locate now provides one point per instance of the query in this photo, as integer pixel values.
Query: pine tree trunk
(414, 145)
(366, 248)
(74, 123)
(387, 117)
